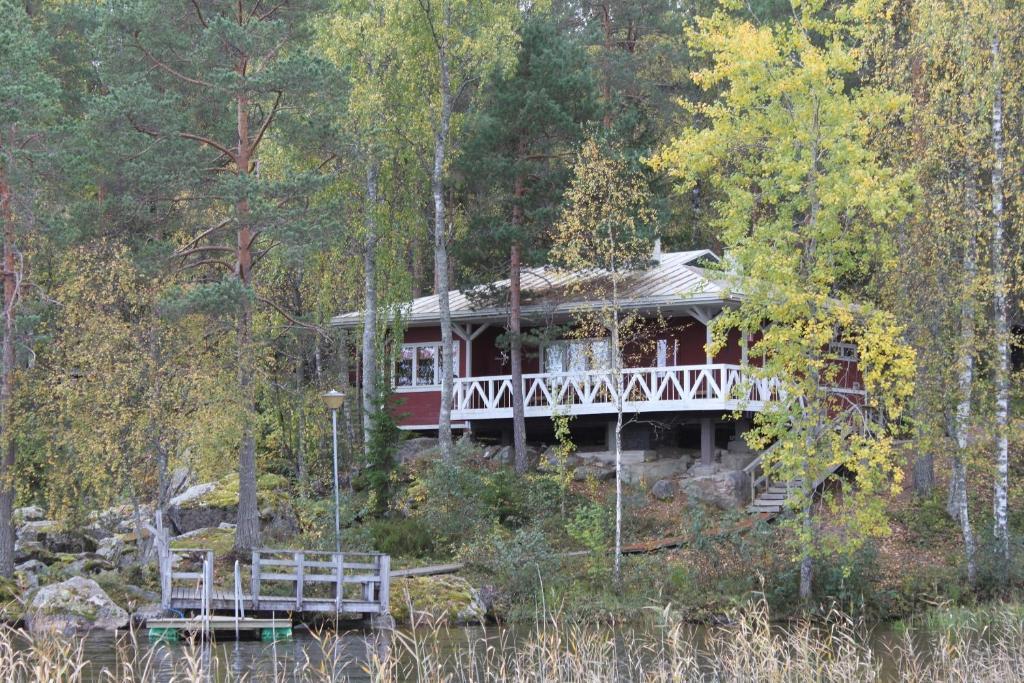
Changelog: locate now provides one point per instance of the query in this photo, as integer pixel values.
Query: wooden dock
(296, 581)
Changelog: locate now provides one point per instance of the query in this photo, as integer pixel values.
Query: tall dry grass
(750, 649)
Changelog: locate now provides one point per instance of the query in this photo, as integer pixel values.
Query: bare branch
(199, 13)
(169, 69)
(210, 143)
(267, 121)
(205, 248)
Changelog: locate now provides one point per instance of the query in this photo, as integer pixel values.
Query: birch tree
(453, 45)
(803, 206)
(604, 235)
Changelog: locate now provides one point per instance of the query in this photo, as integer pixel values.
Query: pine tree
(29, 107)
(202, 89)
(515, 162)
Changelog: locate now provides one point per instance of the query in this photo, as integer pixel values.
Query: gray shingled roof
(675, 280)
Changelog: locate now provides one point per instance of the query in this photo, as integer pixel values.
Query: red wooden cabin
(683, 395)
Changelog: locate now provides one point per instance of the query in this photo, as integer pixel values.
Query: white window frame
(436, 386)
(564, 344)
(843, 351)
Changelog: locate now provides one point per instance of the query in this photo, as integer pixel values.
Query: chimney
(656, 254)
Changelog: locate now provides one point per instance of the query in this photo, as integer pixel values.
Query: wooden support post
(707, 441)
(299, 579)
(255, 579)
(339, 580)
(384, 593)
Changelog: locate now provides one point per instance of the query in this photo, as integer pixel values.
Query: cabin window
(576, 355)
(668, 353)
(419, 365)
(843, 351)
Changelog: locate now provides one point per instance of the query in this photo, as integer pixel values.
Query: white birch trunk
(957, 504)
(1001, 326)
(444, 419)
(369, 388)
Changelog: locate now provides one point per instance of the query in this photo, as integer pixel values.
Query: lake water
(252, 660)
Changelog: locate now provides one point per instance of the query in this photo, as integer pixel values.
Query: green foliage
(406, 537)
(379, 474)
(518, 563)
(590, 526)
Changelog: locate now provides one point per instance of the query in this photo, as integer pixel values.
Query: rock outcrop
(71, 607)
(725, 490)
(415, 449)
(444, 599)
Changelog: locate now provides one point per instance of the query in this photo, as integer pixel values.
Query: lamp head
(333, 399)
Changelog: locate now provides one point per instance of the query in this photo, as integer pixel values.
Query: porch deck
(709, 387)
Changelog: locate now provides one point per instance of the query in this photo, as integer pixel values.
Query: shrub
(518, 562)
(402, 537)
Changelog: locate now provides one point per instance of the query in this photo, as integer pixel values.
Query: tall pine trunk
(441, 265)
(247, 533)
(516, 358)
(1001, 363)
(10, 280)
(370, 309)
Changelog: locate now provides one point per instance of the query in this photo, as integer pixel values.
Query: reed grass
(752, 648)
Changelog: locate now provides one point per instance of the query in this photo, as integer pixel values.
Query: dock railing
(321, 581)
(279, 580)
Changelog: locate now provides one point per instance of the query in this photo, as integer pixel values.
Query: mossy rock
(220, 541)
(72, 606)
(271, 489)
(447, 599)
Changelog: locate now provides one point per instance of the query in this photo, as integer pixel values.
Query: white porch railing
(681, 387)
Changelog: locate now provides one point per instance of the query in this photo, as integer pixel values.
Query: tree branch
(205, 248)
(199, 13)
(165, 67)
(266, 122)
(294, 321)
(210, 143)
(209, 262)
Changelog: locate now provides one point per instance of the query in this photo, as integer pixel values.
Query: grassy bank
(559, 649)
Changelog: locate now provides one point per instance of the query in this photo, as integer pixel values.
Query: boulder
(71, 607)
(725, 490)
(111, 549)
(411, 450)
(35, 531)
(152, 610)
(192, 493)
(178, 481)
(445, 599)
(585, 472)
(49, 534)
(88, 564)
(702, 470)
(32, 550)
(30, 567)
(29, 513)
(737, 461)
(550, 461)
(506, 455)
(664, 489)
(648, 472)
(186, 518)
